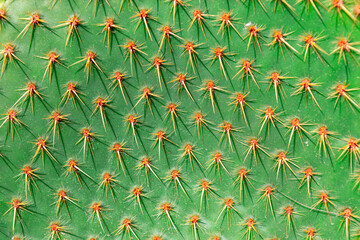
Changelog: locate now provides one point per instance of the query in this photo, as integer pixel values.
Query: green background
(336, 179)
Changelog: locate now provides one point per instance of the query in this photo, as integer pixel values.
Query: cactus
(179, 119)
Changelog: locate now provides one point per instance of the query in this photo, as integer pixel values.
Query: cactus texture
(209, 119)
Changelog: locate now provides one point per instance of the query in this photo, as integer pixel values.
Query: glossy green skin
(336, 179)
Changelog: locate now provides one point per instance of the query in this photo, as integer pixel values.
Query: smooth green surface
(336, 179)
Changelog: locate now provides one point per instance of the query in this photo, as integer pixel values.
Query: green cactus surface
(179, 119)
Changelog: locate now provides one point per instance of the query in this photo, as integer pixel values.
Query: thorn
(11, 117)
(255, 33)
(167, 32)
(74, 167)
(119, 149)
(138, 194)
(253, 146)
(34, 20)
(276, 80)
(101, 104)
(147, 95)
(144, 18)
(219, 54)
(97, 3)
(160, 138)
(158, 63)
(352, 150)
(175, 5)
(97, 211)
(173, 112)
(310, 233)
(356, 11)
(195, 222)
(52, 58)
(243, 180)
(191, 50)
(55, 119)
(308, 178)
(323, 142)
(30, 175)
(217, 162)
(297, 126)
(240, 103)
(285, 4)
(73, 24)
(326, 201)
(289, 214)
(270, 118)
(215, 237)
(228, 133)
(342, 92)
(182, 80)
(63, 199)
(107, 183)
(346, 47)
(87, 137)
(280, 40)
(200, 17)
(157, 237)
(177, 179)
(72, 92)
(189, 153)
(247, 69)
(282, 161)
(17, 206)
(356, 176)
(211, 88)
(348, 216)
(9, 55)
(227, 21)
(145, 164)
(166, 209)
(42, 147)
(250, 226)
(57, 231)
(200, 121)
(127, 229)
(3, 16)
(118, 81)
(306, 87)
(130, 2)
(133, 122)
(206, 188)
(314, 4)
(91, 62)
(267, 196)
(109, 28)
(339, 7)
(31, 90)
(133, 50)
(311, 42)
(228, 210)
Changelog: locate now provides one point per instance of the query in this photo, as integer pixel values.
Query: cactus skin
(116, 195)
